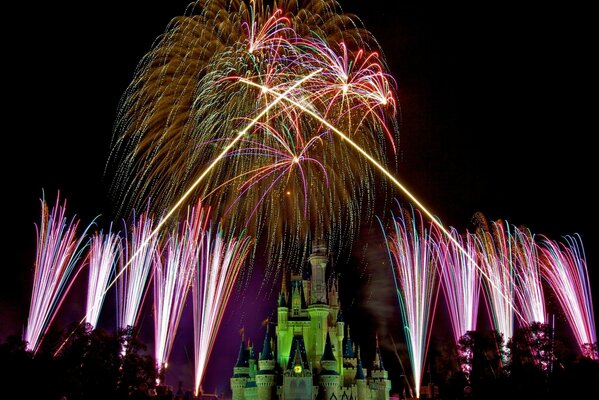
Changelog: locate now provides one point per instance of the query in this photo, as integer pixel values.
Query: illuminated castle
(307, 358)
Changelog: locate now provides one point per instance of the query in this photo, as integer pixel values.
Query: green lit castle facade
(307, 358)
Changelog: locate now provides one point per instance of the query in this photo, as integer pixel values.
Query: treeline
(532, 365)
(90, 365)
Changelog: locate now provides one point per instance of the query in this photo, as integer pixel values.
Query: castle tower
(297, 378)
(329, 376)
(380, 382)
(265, 377)
(349, 361)
(311, 357)
(241, 374)
(318, 261)
(361, 383)
(252, 362)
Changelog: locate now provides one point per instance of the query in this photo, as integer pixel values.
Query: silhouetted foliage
(93, 364)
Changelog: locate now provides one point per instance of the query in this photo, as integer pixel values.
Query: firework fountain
(58, 250)
(220, 261)
(132, 280)
(174, 270)
(495, 255)
(528, 289)
(564, 268)
(104, 254)
(461, 283)
(414, 256)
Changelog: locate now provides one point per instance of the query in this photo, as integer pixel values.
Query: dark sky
(496, 112)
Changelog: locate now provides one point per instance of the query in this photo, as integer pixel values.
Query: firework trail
(564, 268)
(495, 259)
(104, 254)
(414, 256)
(172, 279)
(213, 71)
(220, 262)
(461, 282)
(134, 274)
(528, 289)
(58, 250)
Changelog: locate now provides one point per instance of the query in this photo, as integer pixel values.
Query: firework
(495, 255)
(528, 289)
(132, 279)
(104, 254)
(218, 68)
(564, 268)
(414, 257)
(220, 262)
(172, 280)
(58, 250)
(461, 282)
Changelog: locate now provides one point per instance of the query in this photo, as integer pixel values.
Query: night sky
(495, 113)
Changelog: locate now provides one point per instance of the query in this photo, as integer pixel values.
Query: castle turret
(265, 377)
(361, 383)
(252, 361)
(349, 361)
(329, 376)
(380, 382)
(241, 373)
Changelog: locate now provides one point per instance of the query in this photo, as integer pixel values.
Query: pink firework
(528, 289)
(219, 264)
(461, 282)
(58, 250)
(174, 269)
(495, 259)
(139, 250)
(104, 254)
(414, 257)
(564, 268)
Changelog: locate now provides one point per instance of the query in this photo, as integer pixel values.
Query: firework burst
(217, 68)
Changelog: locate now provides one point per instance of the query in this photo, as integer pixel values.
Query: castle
(307, 358)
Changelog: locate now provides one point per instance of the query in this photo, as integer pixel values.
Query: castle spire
(328, 355)
(359, 369)
(242, 361)
(266, 353)
(378, 360)
(348, 351)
